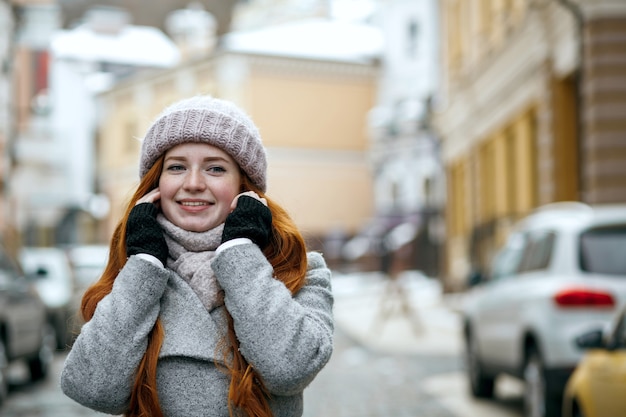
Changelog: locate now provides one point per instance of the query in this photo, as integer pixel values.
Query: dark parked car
(25, 334)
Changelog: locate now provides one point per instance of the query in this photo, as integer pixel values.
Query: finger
(249, 194)
(233, 204)
(152, 197)
(255, 196)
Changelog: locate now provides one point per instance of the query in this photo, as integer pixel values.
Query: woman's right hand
(143, 232)
(153, 196)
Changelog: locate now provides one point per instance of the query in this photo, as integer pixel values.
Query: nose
(194, 181)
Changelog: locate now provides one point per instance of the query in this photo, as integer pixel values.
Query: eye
(175, 167)
(216, 169)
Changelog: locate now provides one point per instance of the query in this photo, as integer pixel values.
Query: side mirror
(593, 339)
(475, 278)
(39, 273)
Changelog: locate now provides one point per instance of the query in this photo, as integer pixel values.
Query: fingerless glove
(251, 219)
(144, 234)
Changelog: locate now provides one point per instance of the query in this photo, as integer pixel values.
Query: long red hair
(287, 254)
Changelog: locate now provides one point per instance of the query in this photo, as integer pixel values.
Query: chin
(196, 223)
(197, 227)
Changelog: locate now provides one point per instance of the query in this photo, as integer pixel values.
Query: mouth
(194, 204)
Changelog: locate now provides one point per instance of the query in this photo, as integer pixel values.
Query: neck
(191, 241)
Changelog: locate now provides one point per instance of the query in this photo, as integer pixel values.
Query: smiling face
(197, 185)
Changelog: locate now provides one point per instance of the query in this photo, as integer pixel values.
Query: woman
(209, 304)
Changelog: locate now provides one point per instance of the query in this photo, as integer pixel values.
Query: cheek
(228, 190)
(167, 188)
(227, 195)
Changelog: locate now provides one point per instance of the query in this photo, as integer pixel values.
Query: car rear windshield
(603, 250)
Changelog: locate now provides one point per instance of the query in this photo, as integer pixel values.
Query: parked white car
(88, 263)
(49, 269)
(561, 272)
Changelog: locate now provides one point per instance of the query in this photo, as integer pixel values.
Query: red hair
(286, 253)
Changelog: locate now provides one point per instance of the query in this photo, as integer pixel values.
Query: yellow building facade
(311, 115)
(527, 115)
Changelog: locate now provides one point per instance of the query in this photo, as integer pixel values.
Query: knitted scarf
(190, 256)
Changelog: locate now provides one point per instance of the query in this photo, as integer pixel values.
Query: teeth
(193, 203)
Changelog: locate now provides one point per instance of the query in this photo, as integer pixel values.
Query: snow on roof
(338, 40)
(132, 45)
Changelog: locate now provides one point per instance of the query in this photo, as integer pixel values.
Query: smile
(194, 203)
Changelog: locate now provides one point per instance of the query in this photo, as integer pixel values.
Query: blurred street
(382, 366)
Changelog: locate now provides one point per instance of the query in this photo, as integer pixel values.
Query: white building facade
(408, 175)
(408, 178)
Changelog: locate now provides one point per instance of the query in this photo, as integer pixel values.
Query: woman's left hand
(250, 218)
(252, 194)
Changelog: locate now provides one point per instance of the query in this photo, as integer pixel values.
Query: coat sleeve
(99, 371)
(287, 339)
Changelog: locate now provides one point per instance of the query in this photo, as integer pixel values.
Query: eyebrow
(207, 159)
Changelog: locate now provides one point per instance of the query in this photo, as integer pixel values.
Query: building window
(395, 195)
(512, 184)
(455, 35)
(412, 39)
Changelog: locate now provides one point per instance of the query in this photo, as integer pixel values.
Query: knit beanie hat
(204, 119)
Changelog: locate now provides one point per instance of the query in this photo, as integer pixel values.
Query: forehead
(197, 151)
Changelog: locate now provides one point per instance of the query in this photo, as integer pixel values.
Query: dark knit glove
(144, 234)
(252, 219)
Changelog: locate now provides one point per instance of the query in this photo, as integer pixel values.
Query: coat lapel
(190, 330)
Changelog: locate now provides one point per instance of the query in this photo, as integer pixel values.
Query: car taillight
(584, 297)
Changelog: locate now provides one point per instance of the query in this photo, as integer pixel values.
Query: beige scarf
(190, 256)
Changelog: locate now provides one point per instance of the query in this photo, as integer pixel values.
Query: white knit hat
(204, 119)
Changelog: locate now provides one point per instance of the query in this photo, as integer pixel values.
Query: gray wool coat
(288, 339)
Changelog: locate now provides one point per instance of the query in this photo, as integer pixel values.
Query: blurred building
(59, 56)
(35, 22)
(256, 14)
(7, 23)
(57, 74)
(153, 13)
(409, 188)
(531, 112)
(308, 85)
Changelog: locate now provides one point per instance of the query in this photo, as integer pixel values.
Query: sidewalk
(359, 311)
(368, 310)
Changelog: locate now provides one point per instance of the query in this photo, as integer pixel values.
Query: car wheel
(577, 411)
(481, 384)
(58, 322)
(4, 370)
(40, 364)
(537, 403)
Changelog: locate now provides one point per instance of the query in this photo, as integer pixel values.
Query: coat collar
(190, 330)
